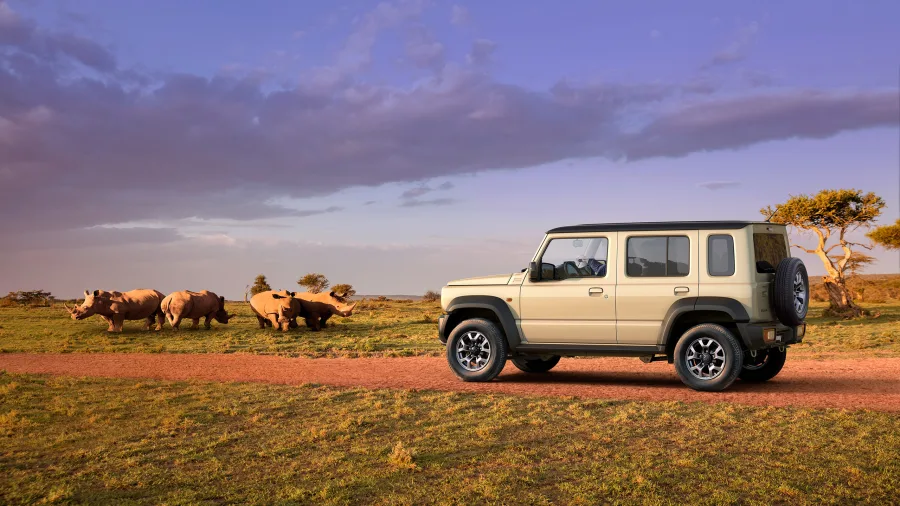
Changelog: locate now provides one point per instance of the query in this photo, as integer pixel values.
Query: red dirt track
(852, 384)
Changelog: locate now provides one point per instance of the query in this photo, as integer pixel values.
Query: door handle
(595, 290)
(681, 289)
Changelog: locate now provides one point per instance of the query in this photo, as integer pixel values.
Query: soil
(871, 383)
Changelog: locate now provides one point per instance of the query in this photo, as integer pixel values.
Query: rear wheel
(764, 366)
(535, 364)
(476, 350)
(708, 358)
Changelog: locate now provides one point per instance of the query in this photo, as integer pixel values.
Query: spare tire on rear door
(790, 292)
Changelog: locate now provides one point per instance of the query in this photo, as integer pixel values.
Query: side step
(654, 358)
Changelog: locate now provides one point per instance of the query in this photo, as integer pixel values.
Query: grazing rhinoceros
(276, 309)
(319, 307)
(194, 305)
(116, 307)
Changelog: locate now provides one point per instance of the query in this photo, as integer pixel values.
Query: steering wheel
(581, 261)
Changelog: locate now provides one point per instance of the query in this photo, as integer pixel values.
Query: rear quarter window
(770, 250)
(720, 255)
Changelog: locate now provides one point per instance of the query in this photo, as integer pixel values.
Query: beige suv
(721, 300)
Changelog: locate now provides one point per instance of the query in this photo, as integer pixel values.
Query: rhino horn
(67, 308)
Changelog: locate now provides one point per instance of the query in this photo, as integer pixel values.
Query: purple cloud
(459, 15)
(432, 202)
(78, 152)
(719, 185)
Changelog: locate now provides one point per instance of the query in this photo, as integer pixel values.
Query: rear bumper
(442, 325)
(759, 336)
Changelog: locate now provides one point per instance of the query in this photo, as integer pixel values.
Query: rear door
(575, 303)
(655, 270)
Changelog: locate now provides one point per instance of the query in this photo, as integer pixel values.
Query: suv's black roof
(659, 225)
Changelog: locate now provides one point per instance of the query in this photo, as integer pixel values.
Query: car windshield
(770, 250)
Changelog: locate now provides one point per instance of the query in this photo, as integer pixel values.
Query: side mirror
(534, 274)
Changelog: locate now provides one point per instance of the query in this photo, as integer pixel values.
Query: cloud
(58, 47)
(314, 212)
(92, 237)
(757, 79)
(719, 185)
(482, 51)
(90, 150)
(459, 15)
(422, 50)
(736, 51)
(425, 189)
(733, 123)
(432, 202)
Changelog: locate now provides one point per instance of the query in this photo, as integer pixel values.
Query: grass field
(389, 328)
(121, 441)
(376, 328)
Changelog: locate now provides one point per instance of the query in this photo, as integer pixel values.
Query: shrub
(431, 296)
(402, 458)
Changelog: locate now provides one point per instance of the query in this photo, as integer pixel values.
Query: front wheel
(535, 364)
(476, 350)
(708, 358)
(764, 366)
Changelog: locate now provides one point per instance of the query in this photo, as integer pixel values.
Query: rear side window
(665, 256)
(770, 250)
(720, 255)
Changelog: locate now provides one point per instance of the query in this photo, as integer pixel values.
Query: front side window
(662, 256)
(770, 250)
(575, 258)
(720, 255)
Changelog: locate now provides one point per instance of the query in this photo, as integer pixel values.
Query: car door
(575, 301)
(655, 270)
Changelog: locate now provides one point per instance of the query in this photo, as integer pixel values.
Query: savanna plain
(73, 439)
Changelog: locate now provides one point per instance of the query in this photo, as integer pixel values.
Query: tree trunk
(841, 300)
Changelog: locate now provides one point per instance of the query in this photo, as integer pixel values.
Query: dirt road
(852, 384)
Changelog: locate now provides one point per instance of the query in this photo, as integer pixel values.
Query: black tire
(764, 366)
(721, 366)
(535, 364)
(790, 292)
(468, 334)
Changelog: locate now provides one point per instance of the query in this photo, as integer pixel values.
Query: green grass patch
(389, 328)
(127, 441)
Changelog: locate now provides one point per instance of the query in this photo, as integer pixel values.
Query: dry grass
(390, 328)
(387, 328)
(65, 440)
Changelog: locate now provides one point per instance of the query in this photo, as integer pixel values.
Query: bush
(32, 298)
(431, 296)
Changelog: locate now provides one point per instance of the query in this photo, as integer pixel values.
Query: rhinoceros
(319, 307)
(194, 305)
(116, 307)
(276, 309)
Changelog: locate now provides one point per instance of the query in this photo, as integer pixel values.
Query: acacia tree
(314, 282)
(857, 263)
(260, 285)
(887, 236)
(343, 290)
(831, 213)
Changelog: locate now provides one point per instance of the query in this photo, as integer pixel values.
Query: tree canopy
(343, 290)
(260, 285)
(887, 236)
(314, 282)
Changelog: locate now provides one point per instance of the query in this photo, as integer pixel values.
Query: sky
(398, 145)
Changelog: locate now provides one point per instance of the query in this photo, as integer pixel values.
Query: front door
(655, 270)
(575, 301)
